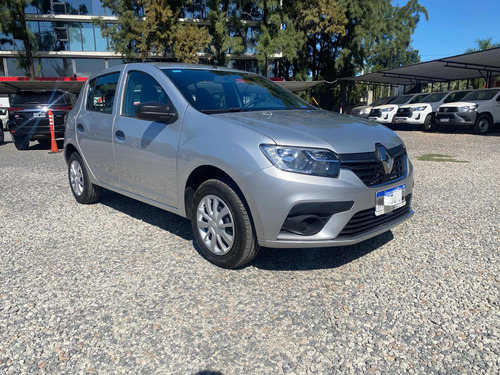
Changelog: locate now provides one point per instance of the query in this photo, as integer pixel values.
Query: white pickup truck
(384, 114)
(480, 109)
(423, 113)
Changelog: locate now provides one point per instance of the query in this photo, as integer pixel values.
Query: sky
(454, 26)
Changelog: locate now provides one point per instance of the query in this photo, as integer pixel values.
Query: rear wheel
(483, 124)
(83, 190)
(2, 136)
(21, 142)
(221, 225)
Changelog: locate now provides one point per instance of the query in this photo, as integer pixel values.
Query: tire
(83, 190)
(428, 124)
(21, 142)
(2, 135)
(44, 142)
(228, 241)
(483, 124)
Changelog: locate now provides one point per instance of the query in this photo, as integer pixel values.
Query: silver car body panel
(155, 162)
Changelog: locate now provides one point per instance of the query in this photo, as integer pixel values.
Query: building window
(87, 67)
(101, 43)
(88, 37)
(57, 67)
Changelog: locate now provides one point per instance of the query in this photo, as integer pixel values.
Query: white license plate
(389, 200)
(444, 119)
(400, 119)
(39, 114)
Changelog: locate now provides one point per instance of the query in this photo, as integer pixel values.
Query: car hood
(361, 107)
(414, 105)
(386, 106)
(463, 104)
(317, 128)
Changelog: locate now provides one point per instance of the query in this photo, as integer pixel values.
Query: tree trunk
(27, 46)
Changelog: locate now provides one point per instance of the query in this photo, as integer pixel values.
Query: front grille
(448, 109)
(375, 113)
(404, 112)
(370, 171)
(366, 220)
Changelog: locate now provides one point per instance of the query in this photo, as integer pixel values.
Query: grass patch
(440, 158)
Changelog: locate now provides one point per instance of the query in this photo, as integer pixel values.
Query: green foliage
(189, 40)
(483, 44)
(14, 23)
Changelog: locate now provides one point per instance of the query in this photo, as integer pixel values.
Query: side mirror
(155, 111)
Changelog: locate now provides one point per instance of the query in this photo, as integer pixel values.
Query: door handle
(120, 135)
(80, 128)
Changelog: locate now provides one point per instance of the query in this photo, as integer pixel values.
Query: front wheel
(83, 190)
(21, 142)
(2, 136)
(428, 124)
(221, 225)
(483, 124)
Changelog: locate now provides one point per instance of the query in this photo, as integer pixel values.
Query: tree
(158, 29)
(14, 23)
(224, 29)
(124, 35)
(190, 39)
(483, 44)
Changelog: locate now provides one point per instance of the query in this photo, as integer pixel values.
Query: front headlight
(312, 161)
(365, 111)
(387, 109)
(418, 109)
(467, 108)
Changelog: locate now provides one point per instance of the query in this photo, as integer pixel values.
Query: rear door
(94, 127)
(146, 151)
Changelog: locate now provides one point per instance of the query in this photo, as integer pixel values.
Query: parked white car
(4, 112)
(423, 113)
(384, 114)
(364, 110)
(479, 110)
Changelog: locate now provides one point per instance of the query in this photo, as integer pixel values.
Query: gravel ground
(117, 287)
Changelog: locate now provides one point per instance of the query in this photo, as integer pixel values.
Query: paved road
(117, 287)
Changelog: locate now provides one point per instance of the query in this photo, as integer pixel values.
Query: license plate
(39, 114)
(400, 119)
(444, 119)
(389, 200)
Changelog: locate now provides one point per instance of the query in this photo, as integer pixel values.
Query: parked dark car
(29, 116)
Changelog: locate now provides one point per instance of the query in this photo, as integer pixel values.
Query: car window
(140, 88)
(417, 98)
(481, 95)
(215, 91)
(455, 96)
(45, 97)
(432, 98)
(101, 94)
(401, 99)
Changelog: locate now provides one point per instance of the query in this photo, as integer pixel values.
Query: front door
(146, 151)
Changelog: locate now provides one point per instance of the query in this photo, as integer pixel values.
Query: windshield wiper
(227, 110)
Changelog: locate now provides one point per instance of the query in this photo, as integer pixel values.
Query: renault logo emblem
(384, 158)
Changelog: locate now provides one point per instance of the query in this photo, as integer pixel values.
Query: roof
(481, 64)
(11, 85)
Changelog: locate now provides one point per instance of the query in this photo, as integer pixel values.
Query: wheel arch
(68, 150)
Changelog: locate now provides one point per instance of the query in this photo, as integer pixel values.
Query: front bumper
(271, 195)
(456, 118)
(385, 118)
(415, 119)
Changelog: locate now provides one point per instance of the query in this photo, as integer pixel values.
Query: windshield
(402, 99)
(481, 95)
(382, 101)
(214, 91)
(432, 98)
(46, 97)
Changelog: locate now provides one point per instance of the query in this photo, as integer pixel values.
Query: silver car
(247, 161)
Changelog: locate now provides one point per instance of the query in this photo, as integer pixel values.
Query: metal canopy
(11, 85)
(482, 64)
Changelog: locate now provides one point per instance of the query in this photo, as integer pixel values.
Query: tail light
(15, 109)
(67, 108)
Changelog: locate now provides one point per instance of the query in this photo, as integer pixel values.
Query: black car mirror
(155, 111)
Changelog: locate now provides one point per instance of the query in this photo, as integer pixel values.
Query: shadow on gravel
(152, 215)
(317, 258)
(205, 372)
